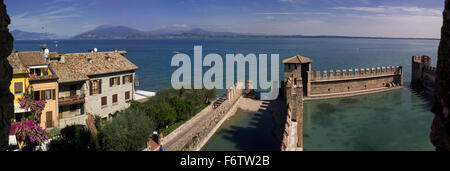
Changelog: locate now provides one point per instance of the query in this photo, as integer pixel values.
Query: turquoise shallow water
(396, 120)
(245, 131)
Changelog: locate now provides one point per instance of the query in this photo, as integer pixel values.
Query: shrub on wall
(128, 131)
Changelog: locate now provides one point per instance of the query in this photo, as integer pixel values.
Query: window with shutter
(49, 120)
(111, 82)
(18, 87)
(127, 95)
(114, 98)
(104, 102)
(118, 80)
(90, 87)
(42, 95)
(99, 86)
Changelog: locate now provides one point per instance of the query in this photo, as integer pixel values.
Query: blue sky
(387, 18)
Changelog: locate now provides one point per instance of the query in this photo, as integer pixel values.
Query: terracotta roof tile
(297, 59)
(32, 58)
(78, 66)
(17, 65)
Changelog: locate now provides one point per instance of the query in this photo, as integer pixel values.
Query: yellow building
(42, 81)
(18, 85)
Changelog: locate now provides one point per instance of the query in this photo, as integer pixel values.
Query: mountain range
(23, 35)
(124, 32)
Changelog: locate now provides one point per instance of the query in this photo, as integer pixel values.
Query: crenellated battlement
(430, 69)
(422, 60)
(235, 91)
(423, 74)
(302, 83)
(356, 73)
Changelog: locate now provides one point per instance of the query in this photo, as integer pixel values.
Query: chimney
(45, 52)
(63, 59)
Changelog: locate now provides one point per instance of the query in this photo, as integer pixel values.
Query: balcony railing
(76, 99)
(34, 77)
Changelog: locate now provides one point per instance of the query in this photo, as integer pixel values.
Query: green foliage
(74, 138)
(54, 133)
(131, 128)
(171, 106)
(128, 131)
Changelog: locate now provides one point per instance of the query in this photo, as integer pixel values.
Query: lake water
(398, 120)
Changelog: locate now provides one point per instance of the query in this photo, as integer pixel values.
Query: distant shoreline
(244, 37)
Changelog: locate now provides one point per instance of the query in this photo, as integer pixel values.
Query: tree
(128, 131)
(75, 138)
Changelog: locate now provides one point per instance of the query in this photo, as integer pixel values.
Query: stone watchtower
(419, 63)
(299, 68)
(297, 79)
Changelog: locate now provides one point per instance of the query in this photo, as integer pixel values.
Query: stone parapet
(77, 120)
(360, 73)
(202, 126)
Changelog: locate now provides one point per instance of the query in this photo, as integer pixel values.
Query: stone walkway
(182, 131)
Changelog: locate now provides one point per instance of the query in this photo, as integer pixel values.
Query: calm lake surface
(398, 120)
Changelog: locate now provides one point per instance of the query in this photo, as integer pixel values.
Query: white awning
(39, 66)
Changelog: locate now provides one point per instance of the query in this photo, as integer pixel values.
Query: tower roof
(297, 59)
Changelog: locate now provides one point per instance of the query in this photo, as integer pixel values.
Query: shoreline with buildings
(384, 73)
(71, 83)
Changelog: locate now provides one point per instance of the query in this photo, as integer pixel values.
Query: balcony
(71, 100)
(40, 78)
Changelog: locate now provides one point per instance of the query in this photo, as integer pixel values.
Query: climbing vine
(28, 132)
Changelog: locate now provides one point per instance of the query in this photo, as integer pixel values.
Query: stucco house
(33, 69)
(97, 83)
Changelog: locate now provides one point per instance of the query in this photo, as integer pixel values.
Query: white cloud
(394, 10)
(179, 25)
(289, 1)
(276, 13)
(42, 18)
(365, 9)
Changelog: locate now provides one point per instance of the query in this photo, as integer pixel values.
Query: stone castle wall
(293, 128)
(204, 129)
(354, 81)
(423, 74)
